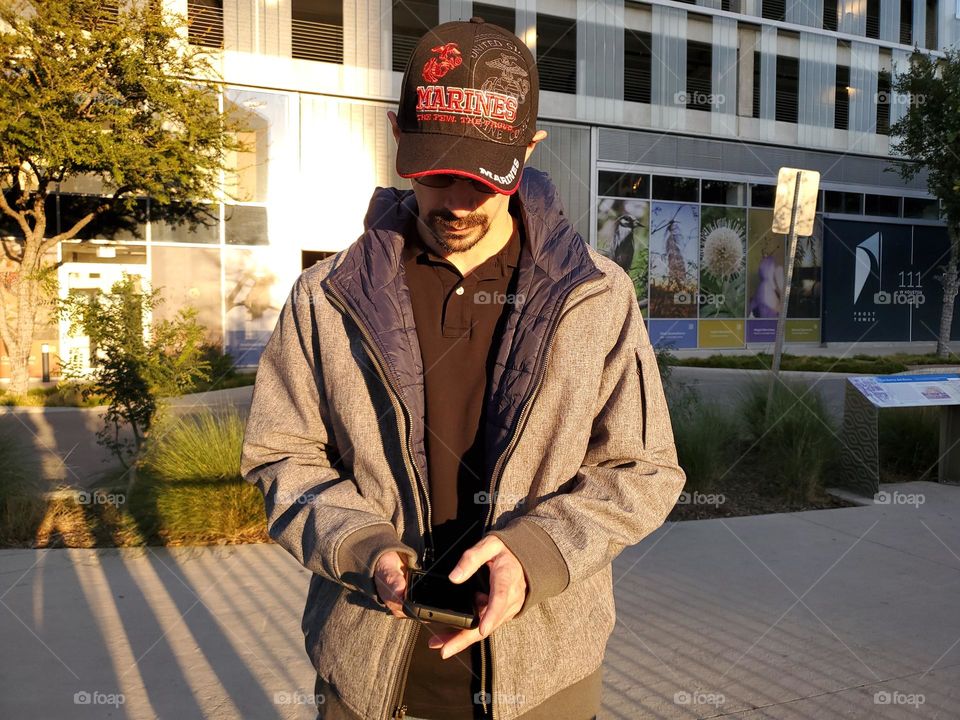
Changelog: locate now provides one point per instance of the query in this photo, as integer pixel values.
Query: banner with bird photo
(623, 235)
(674, 260)
(723, 249)
(765, 276)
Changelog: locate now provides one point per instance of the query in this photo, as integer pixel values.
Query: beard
(455, 235)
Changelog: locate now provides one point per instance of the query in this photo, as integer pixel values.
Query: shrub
(21, 503)
(204, 446)
(795, 444)
(707, 443)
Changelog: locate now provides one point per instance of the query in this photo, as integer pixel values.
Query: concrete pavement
(836, 613)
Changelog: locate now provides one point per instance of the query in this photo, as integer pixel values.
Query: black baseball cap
(468, 105)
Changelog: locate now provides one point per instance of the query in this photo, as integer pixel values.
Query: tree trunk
(25, 290)
(950, 287)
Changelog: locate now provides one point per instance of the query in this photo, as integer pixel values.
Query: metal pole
(782, 321)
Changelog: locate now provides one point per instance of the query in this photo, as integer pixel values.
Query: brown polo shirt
(459, 325)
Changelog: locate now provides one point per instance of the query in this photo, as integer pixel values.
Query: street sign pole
(788, 280)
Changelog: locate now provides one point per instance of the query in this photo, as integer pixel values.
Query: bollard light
(45, 359)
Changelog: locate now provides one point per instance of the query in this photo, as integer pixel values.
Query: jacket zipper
(399, 709)
(416, 482)
(501, 461)
(413, 473)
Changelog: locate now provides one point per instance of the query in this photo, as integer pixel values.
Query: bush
(707, 443)
(204, 446)
(796, 445)
(21, 503)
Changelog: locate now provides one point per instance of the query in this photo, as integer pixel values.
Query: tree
(133, 365)
(87, 90)
(928, 135)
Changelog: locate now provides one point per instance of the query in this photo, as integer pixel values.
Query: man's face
(458, 216)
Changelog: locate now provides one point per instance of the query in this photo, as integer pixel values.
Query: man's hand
(390, 577)
(508, 590)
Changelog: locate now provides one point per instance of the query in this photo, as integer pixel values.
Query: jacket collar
(370, 279)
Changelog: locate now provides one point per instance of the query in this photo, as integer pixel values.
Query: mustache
(447, 220)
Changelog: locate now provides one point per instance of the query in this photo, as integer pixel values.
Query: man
(468, 388)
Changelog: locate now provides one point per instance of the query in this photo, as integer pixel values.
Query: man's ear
(392, 116)
(538, 136)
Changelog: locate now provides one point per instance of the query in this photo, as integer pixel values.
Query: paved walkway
(838, 613)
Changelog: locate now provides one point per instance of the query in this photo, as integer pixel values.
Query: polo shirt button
(460, 291)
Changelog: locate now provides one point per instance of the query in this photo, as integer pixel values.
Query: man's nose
(461, 195)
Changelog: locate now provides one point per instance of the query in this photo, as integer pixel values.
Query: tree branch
(19, 217)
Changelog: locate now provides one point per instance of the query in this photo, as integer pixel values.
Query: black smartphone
(432, 597)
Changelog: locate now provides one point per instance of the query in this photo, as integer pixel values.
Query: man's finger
(474, 557)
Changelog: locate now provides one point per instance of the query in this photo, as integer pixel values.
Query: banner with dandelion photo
(723, 239)
(623, 235)
(674, 260)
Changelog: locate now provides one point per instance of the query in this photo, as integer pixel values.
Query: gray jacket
(578, 434)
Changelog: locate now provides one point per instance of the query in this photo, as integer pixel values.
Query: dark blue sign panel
(873, 278)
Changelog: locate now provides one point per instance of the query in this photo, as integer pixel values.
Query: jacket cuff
(543, 564)
(359, 551)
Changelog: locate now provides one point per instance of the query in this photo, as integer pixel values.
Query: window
(680, 189)
(762, 195)
(883, 205)
(788, 74)
(317, 31)
(932, 24)
(923, 208)
(873, 19)
(730, 5)
(637, 51)
(830, 15)
(756, 84)
(246, 225)
(109, 225)
(906, 22)
(172, 223)
(721, 192)
(841, 113)
(502, 16)
(411, 19)
(627, 185)
(557, 53)
(883, 102)
(205, 23)
(842, 202)
(699, 72)
(774, 9)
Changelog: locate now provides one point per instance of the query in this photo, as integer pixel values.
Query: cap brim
(497, 166)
